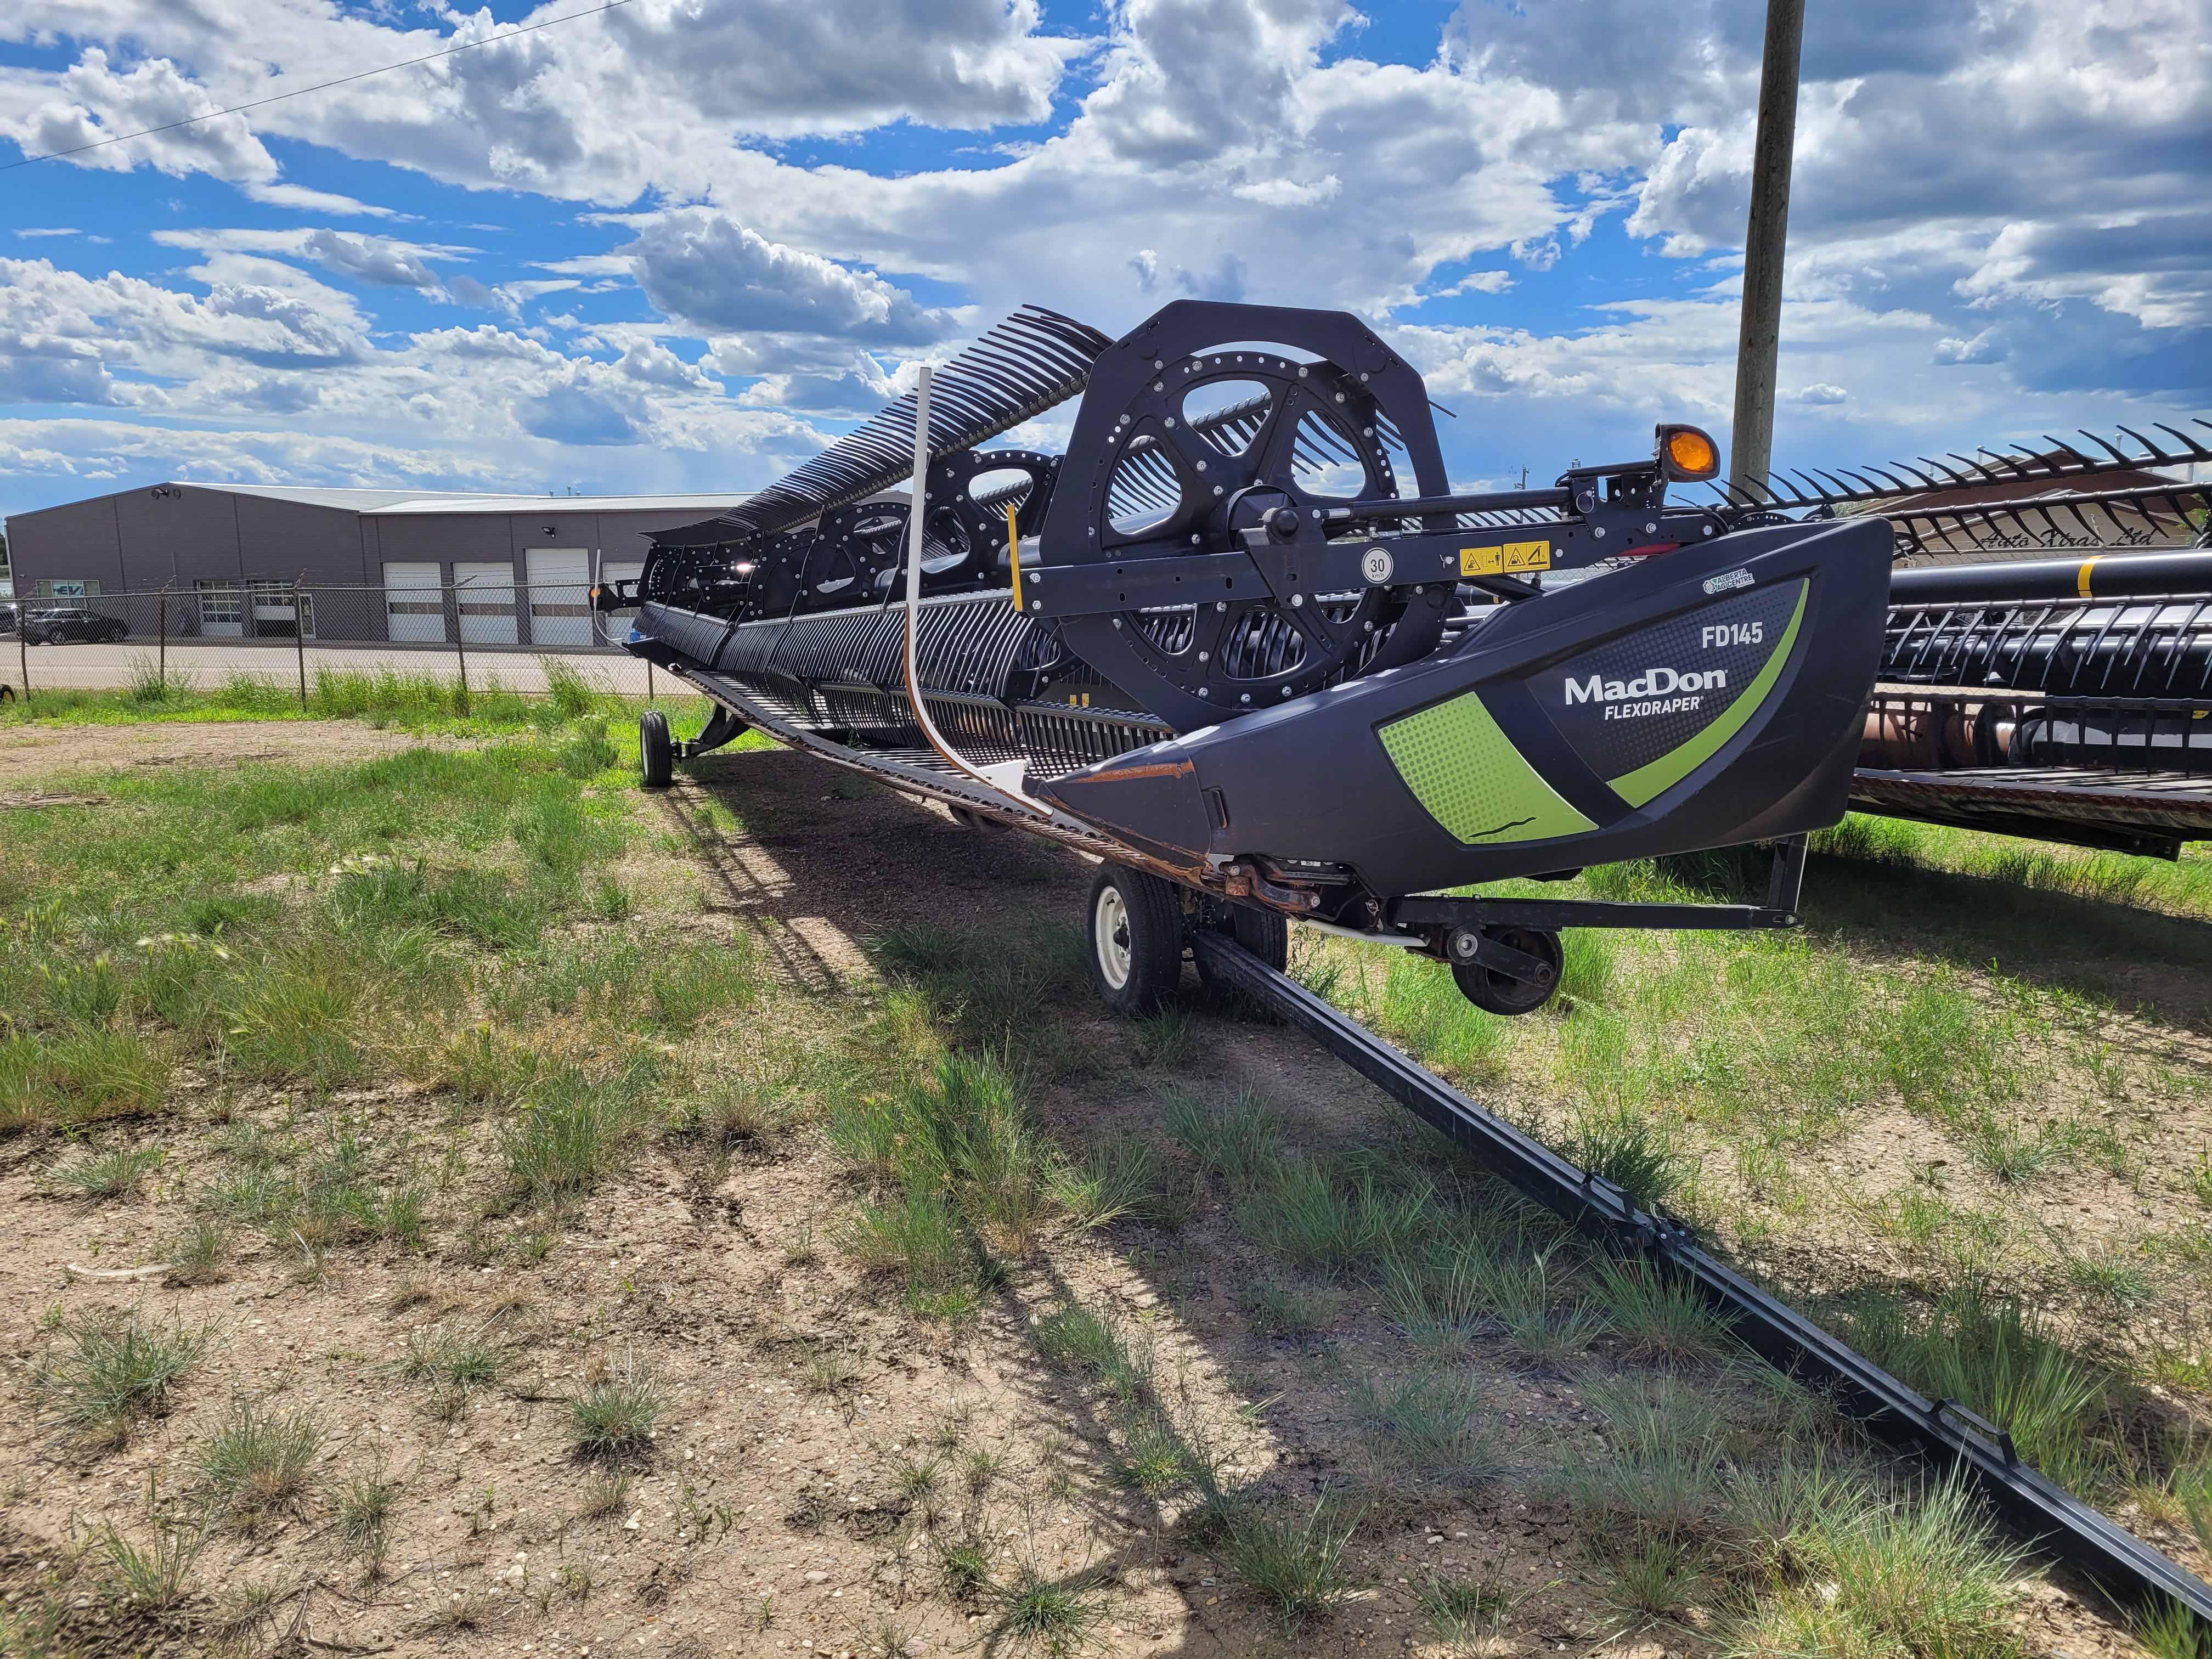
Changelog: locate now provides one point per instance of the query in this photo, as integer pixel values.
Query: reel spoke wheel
(1184, 447)
(1498, 993)
(1136, 939)
(656, 751)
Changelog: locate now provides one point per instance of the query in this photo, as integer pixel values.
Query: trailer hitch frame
(1445, 916)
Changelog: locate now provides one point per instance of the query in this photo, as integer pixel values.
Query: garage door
(617, 624)
(560, 600)
(486, 593)
(414, 608)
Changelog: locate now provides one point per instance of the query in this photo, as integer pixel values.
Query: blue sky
(679, 245)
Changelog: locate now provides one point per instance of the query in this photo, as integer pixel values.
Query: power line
(301, 92)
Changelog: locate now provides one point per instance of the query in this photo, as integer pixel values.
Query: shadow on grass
(1967, 920)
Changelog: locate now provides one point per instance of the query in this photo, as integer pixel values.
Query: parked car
(7, 618)
(53, 626)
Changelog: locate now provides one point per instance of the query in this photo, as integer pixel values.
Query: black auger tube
(2128, 1569)
(2087, 576)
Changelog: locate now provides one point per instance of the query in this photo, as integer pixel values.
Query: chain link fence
(488, 633)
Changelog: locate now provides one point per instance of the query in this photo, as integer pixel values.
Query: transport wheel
(1265, 933)
(1502, 994)
(1136, 939)
(656, 753)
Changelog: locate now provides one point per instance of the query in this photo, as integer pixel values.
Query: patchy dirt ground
(778, 1513)
(30, 753)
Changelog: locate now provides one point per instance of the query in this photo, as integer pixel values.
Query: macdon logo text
(1655, 691)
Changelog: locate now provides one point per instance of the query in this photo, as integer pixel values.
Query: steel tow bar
(2121, 1564)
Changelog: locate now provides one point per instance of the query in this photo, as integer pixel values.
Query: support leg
(1787, 883)
(722, 727)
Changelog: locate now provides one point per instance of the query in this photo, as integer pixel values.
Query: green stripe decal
(1471, 778)
(1646, 782)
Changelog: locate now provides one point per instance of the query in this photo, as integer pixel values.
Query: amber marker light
(1687, 454)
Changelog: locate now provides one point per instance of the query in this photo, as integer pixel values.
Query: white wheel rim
(1110, 935)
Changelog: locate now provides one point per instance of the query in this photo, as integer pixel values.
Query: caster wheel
(1502, 994)
(656, 752)
(1136, 939)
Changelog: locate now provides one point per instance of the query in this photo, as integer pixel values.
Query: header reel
(1242, 524)
(856, 553)
(1188, 452)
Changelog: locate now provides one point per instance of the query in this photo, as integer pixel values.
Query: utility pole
(1759, 341)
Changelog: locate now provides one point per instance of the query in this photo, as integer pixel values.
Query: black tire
(1265, 933)
(1501, 993)
(1135, 927)
(656, 753)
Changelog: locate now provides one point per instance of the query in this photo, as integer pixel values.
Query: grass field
(425, 702)
(630, 1275)
(1965, 1136)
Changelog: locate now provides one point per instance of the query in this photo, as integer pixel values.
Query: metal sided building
(372, 564)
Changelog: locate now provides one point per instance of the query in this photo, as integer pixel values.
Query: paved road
(83, 667)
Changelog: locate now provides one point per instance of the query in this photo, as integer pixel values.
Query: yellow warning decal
(1509, 560)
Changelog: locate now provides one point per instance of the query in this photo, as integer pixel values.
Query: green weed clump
(305, 1197)
(1635, 1153)
(1912, 1573)
(575, 1130)
(1443, 1299)
(153, 1578)
(964, 1564)
(1239, 1139)
(112, 1374)
(257, 1461)
(1435, 1424)
(1038, 1616)
(1123, 1177)
(1288, 1306)
(1075, 1338)
(611, 1420)
(986, 991)
(1155, 1454)
(565, 691)
(364, 1511)
(960, 1171)
(445, 1357)
(1295, 1563)
(1986, 1351)
(1465, 1614)
(1329, 1213)
(1664, 1480)
(1657, 1315)
(2170, 1631)
(104, 1175)
(1166, 1036)
(195, 1252)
